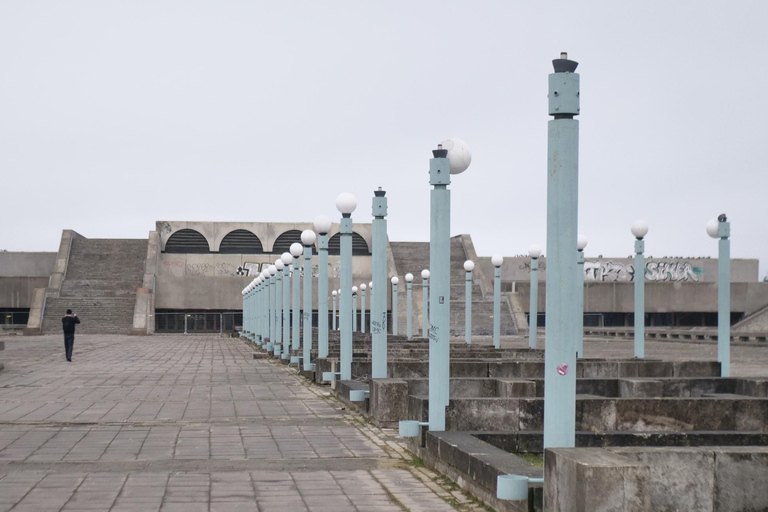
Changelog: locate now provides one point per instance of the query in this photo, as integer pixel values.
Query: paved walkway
(188, 423)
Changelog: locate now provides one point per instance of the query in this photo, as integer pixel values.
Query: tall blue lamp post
(272, 307)
(534, 252)
(639, 230)
(581, 244)
(322, 226)
(308, 238)
(286, 258)
(296, 251)
(379, 277)
(408, 304)
(720, 229)
(450, 157)
(424, 303)
(394, 281)
(346, 204)
(279, 307)
(562, 222)
(497, 260)
(469, 266)
(363, 287)
(264, 308)
(334, 293)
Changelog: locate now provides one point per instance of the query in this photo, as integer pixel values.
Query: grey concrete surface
(189, 423)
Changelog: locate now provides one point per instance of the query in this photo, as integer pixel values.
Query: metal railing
(197, 322)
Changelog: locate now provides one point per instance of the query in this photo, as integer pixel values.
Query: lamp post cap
(581, 242)
(469, 265)
(408, 277)
(296, 249)
(425, 274)
(639, 229)
(534, 251)
(346, 203)
(564, 65)
(380, 193)
(322, 225)
(713, 228)
(308, 237)
(395, 280)
(287, 258)
(458, 153)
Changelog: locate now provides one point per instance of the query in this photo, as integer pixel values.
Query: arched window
(359, 245)
(284, 241)
(241, 241)
(187, 241)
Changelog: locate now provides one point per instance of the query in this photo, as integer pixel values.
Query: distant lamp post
(272, 306)
(469, 266)
(363, 286)
(534, 252)
(581, 244)
(639, 230)
(286, 258)
(354, 308)
(346, 204)
(334, 293)
(497, 260)
(408, 304)
(296, 250)
(425, 303)
(322, 226)
(308, 239)
(720, 229)
(394, 282)
(279, 307)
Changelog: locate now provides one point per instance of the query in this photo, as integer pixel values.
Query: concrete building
(187, 277)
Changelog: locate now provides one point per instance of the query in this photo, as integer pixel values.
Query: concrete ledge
(343, 387)
(389, 401)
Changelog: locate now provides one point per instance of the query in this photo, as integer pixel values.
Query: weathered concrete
(389, 401)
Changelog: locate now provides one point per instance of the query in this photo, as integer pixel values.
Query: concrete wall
(209, 281)
(607, 270)
(267, 232)
(618, 297)
(20, 274)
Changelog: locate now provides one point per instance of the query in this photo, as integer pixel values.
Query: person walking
(68, 324)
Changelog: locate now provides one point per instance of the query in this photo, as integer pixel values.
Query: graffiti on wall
(658, 271)
(199, 269)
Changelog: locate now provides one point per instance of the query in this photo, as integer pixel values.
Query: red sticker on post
(562, 369)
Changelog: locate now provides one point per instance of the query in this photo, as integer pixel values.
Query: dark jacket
(68, 323)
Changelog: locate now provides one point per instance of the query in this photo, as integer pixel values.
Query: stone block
(695, 369)
(752, 387)
(389, 401)
(597, 369)
(483, 414)
(515, 388)
(741, 476)
(516, 369)
(680, 478)
(596, 415)
(640, 388)
(594, 480)
(531, 414)
(608, 388)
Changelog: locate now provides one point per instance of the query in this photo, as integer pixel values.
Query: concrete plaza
(188, 423)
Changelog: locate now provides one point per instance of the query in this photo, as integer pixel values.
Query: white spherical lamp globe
(395, 280)
(265, 273)
(296, 249)
(363, 286)
(334, 293)
(286, 258)
(534, 251)
(354, 289)
(408, 277)
(469, 265)
(346, 203)
(639, 229)
(322, 225)
(370, 285)
(497, 260)
(581, 242)
(279, 265)
(458, 153)
(425, 274)
(713, 228)
(308, 237)
(272, 270)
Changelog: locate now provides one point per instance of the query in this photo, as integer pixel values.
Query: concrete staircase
(414, 257)
(100, 285)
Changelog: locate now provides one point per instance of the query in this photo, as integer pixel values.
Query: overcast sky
(116, 114)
